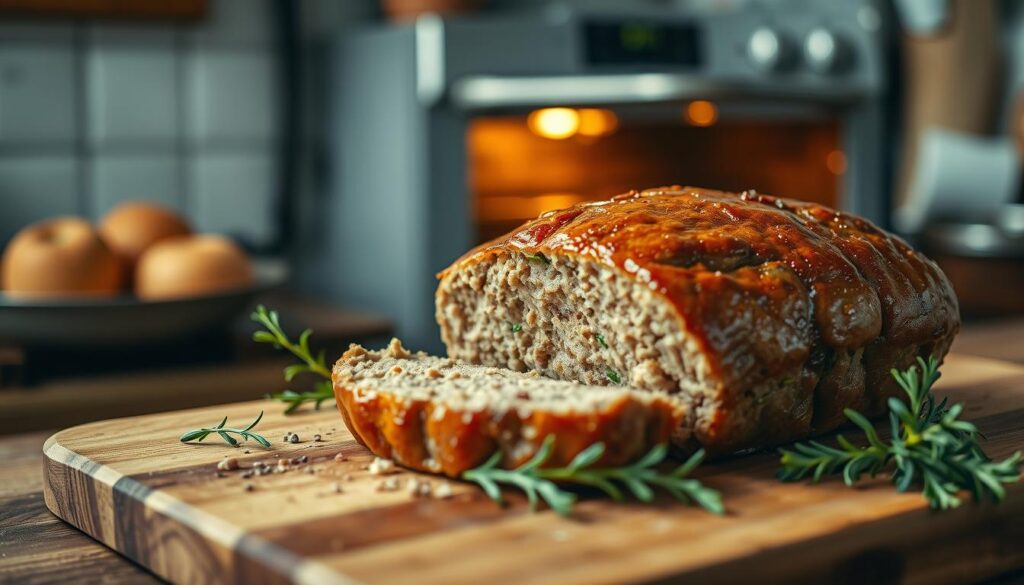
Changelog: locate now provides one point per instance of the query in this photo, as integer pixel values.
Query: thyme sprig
(930, 447)
(310, 363)
(639, 478)
(225, 433)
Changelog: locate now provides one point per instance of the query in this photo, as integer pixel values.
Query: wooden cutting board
(130, 484)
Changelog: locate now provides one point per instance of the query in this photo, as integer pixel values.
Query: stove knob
(769, 50)
(827, 53)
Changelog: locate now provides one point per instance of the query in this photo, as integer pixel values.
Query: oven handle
(483, 92)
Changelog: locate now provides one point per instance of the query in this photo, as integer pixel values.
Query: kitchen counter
(37, 547)
(247, 371)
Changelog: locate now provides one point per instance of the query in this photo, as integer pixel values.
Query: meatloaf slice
(440, 415)
(765, 316)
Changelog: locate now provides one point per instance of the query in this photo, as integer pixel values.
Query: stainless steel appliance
(448, 131)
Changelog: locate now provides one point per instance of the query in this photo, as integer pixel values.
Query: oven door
(534, 148)
(522, 162)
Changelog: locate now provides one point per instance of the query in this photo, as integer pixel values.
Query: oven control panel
(787, 49)
(642, 43)
(823, 51)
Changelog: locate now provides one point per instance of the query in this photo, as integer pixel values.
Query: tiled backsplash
(95, 113)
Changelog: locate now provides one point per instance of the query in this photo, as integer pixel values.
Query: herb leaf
(613, 375)
(639, 477)
(516, 327)
(601, 341)
(317, 365)
(538, 257)
(225, 433)
(323, 391)
(930, 446)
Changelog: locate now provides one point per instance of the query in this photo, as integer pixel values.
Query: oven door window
(523, 165)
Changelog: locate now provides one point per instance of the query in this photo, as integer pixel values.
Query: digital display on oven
(642, 43)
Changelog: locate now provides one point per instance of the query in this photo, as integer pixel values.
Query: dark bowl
(126, 320)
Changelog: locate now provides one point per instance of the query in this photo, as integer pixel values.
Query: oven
(448, 132)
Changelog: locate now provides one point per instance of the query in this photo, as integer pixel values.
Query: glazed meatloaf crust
(438, 415)
(766, 317)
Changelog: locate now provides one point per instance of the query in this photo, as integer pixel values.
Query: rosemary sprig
(930, 447)
(638, 478)
(317, 365)
(322, 391)
(276, 336)
(226, 432)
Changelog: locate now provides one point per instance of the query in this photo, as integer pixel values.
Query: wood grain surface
(35, 545)
(130, 484)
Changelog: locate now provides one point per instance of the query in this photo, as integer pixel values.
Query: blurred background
(345, 151)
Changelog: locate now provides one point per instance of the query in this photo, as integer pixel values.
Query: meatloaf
(765, 317)
(439, 415)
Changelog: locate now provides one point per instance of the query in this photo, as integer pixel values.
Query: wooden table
(36, 547)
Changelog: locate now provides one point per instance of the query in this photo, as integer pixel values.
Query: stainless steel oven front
(448, 132)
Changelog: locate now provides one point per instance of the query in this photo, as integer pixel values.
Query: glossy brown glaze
(770, 288)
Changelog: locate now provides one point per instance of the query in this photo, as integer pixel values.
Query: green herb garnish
(323, 389)
(226, 432)
(537, 257)
(613, 375)
(639, 478)
(516, 327)
(930, 447)
(600, 340)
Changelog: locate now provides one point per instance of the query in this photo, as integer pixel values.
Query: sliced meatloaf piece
(443, 416)
(765, 316)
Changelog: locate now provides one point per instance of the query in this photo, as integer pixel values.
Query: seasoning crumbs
(381, 466)
(444, 490)
(390, 484)
(229, 464)
(419, 488)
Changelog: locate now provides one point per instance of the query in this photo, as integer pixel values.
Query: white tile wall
(234, 194)
(187, 115)
(132, 89)
(36, 31)
(36, 187)
(37, 94)
(119, 177)
(132, 33)
(236, 22)
(231, 97)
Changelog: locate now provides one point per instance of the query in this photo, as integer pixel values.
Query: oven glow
(835, 161)
(554, 123)
(597, 122)
(701, 113)
(519, 208)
